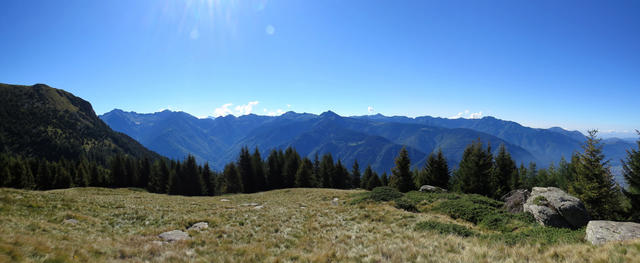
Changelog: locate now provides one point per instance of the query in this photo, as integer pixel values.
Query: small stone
(249, 204)
(259, 207)
(335, 201)
(70, 221)
(158, 243)
(432, 189)
(199, 226)
(175, 235)
(224, 200)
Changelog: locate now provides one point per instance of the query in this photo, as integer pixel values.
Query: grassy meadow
(292, 225)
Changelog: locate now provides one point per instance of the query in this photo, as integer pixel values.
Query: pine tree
(192, 178)
(355, 175)
(327, 170)
(232, 181)
(144, 171)
(366, 177)
(631, 173)
(435, 172)
(317, 178)
(474, 170)
(275, 163)
(208, 186)
(594, 183)
(305, 174)
(503, 172)
(259, 179)
(174, 184)
(291, 165)
(374, 181)
(402, 179)
(245, 169)
(384, 179)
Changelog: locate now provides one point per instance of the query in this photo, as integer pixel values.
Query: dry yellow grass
(295, 225)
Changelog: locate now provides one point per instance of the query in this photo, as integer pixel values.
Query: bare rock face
(514, 200)
(175, 235)
(600, 232)
(551, 206)
(199, 226)
(431, 189)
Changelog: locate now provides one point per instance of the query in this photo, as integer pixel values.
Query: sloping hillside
(292, 225)
(40, 121)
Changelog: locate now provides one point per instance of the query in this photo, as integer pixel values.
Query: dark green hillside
(43, 122)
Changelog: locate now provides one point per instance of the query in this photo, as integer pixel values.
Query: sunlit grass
(294, 225)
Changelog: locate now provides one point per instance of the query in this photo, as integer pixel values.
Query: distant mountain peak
(329, 114)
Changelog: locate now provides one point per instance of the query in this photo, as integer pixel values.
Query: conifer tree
(232, 182)
(402, 179)
(504, 171)
(305, 174)
(327, 170)
(384, 179)
(355, 175)
(631, 173)
(291, 165)
(340, 177)
(245, 169)
(374, 181)
(366, 177)
(593, 181)
(317, 178)
(275, 165)
(435, 172)
(208, 186)
(259, 179)
(474, 170)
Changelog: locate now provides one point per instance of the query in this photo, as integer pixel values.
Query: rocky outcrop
(175, 235)
(600, 232)
(551, 206)
(431, 189)
(514, 200)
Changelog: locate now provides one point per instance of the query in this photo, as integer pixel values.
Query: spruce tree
(208, 186)
(291, 165)
(435, 172)
(275, 165)
(374, 181)
(232, 182)
(474, 170)
(402, 179)
(593, 181)
(504, 171)
(259, 179)
(631, 173)
(326, 171)
(317, 178)
(340, 177)
(245, 169)
(355, 175)
(384, 179)
(304, 176)
(366, 177)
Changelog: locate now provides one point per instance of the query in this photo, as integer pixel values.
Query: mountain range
(370, 139)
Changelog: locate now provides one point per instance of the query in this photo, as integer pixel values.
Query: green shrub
(540, 235)
(406, 204)
(465, 210)
(444, 228)
(384, 193)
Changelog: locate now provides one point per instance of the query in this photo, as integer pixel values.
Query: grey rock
(199, 226)
(432, 189)
(249, 204)
(224, 200)
(600, 232)
(70, 221)
(258, 207)
(175, 235)
(514, 200)
(551, 206)
(335, 201)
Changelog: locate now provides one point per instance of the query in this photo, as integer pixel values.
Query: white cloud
(288, 105)
(277, 112)
(245, 109)
(222, 110)
(194, 34)
(467, 115)
(370, 110)
(270, 30)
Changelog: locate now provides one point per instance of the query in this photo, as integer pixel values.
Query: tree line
(587, 175)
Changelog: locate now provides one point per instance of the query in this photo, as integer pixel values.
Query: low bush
(444, 228)
(540, 235)
(406, 204)
(384, 193)
(465, 209)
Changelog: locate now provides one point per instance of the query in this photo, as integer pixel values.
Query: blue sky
(574, 64)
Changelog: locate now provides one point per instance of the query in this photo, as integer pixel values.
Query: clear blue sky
(574, 64)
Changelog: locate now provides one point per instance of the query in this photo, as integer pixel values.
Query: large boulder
(551, 206)
(175, 235)
(600, 232)
(431, 189)
(514, 200)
